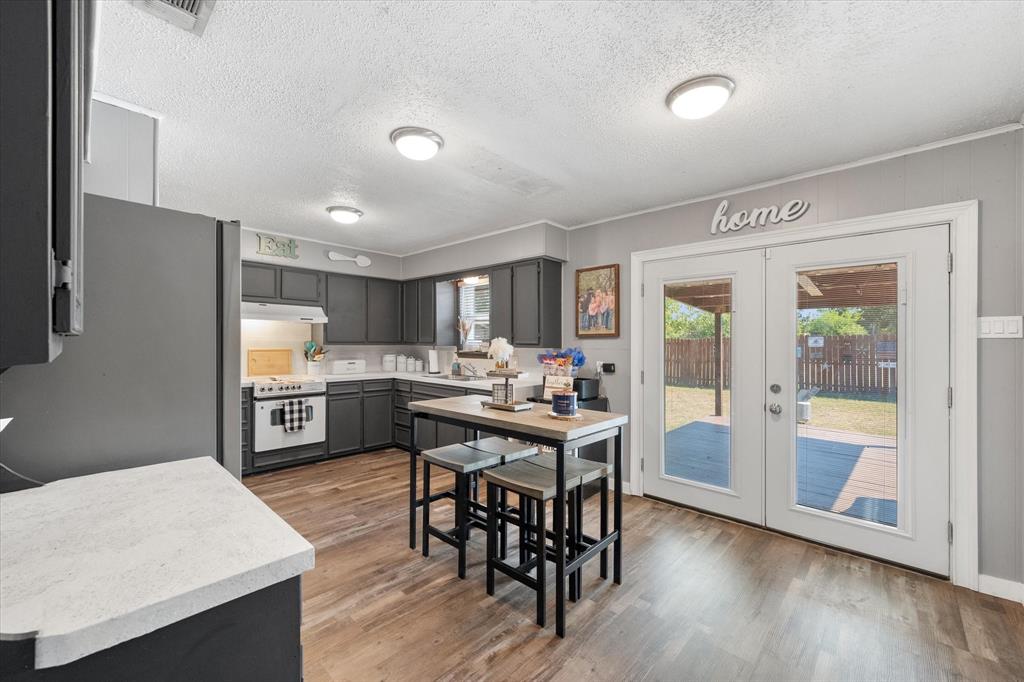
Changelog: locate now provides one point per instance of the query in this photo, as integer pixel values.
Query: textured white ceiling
(549, 110)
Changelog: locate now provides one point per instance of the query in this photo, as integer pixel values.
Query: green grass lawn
(857, 415)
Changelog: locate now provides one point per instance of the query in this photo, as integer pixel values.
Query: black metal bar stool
(466, 460)
(534, 480)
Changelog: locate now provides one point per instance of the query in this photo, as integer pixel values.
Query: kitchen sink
(453, 377)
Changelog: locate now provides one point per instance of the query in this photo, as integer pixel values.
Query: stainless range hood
(283, 313)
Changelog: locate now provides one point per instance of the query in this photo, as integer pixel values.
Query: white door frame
(962, 218)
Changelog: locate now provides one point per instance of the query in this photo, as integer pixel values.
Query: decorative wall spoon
(361, 261)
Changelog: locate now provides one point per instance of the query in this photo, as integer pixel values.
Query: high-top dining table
(533, 426)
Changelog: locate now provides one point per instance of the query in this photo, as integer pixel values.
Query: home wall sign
(723, 223)
(275, 246)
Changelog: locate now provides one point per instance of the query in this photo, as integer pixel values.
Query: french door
(804, 387)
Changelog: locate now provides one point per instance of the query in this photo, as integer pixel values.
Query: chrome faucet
(471, 370)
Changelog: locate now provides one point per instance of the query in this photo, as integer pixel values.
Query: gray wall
(990, 170)
(123, 154)
(138, 386)
(541, 239)
(313, 256)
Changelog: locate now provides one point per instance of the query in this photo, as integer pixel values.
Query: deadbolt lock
(775, 388)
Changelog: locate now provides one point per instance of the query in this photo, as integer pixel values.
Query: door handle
(775, 408)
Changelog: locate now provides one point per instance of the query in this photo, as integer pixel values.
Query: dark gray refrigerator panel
(149, 380)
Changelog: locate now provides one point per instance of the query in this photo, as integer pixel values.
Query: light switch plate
(1006, 327)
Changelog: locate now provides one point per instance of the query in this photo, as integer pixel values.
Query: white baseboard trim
(625, 486)
(1001, 587)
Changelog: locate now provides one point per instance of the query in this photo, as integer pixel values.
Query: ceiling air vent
(190, 15)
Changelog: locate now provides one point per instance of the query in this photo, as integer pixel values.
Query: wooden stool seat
(461, 458)
(574, 466)
(529, 479)
(509, 450)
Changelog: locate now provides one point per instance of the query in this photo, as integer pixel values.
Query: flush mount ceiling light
(700, 97)
(418, 144)
(345, 214)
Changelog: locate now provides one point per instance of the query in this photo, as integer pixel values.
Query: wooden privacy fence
(834, 364)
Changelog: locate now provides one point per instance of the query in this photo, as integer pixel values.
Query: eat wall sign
(724, 223)
(275, 246)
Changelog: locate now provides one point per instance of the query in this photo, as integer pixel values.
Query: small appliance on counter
(348, 367)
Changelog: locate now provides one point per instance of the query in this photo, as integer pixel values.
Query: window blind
(475, 306)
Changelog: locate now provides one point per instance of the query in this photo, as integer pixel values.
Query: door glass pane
(698, 316)
(846, 401)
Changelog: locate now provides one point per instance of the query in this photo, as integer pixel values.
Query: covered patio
(845, 463)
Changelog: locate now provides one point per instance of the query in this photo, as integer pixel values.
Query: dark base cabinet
(377, 414)
(344, 419)
(253, 638)
(246, 430)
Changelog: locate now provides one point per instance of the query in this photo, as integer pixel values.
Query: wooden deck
(702, 599)
(846, 473)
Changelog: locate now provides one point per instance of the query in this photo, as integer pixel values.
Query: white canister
(400, 363)
(389, 363)
(419, 365)
(410, 364)
(313, 367)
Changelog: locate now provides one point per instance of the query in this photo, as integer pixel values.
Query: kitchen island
(162, 572)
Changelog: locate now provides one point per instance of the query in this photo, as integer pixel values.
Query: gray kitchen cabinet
(260, 282)
(425, 311)
(246, 424)
(378, 413)
(410, 312)
(344, 424)
(537, 303)
(377, 419)
(301, 286)
(526, 304)
(346, 309)
(46, 89)
(501, 302)
(384, 301)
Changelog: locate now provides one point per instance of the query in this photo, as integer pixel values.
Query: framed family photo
(597, 301)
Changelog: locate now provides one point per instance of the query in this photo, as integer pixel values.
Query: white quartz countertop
(484, 384)
(89, 562)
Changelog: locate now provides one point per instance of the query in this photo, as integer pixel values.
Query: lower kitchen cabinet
(377, 420)
(344, 424)
(246, 430)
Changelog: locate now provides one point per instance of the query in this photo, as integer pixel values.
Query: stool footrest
(591, 552)
(514, 572)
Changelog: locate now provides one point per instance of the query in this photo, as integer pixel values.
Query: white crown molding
(1009, 127)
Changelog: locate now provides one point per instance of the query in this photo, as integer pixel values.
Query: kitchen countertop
(93, 561)
(533, 379)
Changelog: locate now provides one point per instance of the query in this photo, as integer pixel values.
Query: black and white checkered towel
(294, 417)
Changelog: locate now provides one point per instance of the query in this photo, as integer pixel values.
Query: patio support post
(718, 365)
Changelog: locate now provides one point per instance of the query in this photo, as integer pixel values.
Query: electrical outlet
(607, 367)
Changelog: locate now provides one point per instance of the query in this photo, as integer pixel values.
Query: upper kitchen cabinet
(384, 300)
(346, 309)
(301, 286)
(426, 311)
(410, 312)
(418, 311)
(45, 105)
(526, 303)
(275, 284)
(260, 282)
(501, 302)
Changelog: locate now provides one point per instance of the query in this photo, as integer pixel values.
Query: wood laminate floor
(702, 598)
